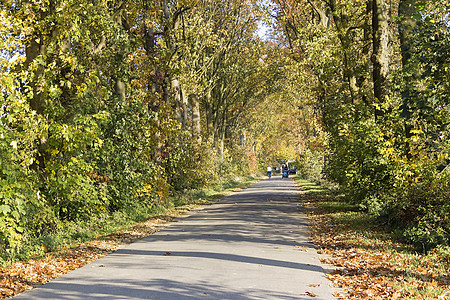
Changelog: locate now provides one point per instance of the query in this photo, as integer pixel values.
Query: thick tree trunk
(150, 49)
(407, 23)
(382, 52)
(223, 131)
(153, 83)
(32, 50)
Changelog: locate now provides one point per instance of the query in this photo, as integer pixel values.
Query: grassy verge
(72, 247)
(372, 263)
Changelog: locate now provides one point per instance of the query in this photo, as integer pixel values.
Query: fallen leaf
(311, 294)
(303, 248)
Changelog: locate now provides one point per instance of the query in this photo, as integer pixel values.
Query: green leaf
(5, 209)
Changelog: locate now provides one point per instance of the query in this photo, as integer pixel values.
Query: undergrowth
(373, 262)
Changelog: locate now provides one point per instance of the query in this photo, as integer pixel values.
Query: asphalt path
(252, 244)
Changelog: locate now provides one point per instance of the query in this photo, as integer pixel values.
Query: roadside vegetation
(373, 261)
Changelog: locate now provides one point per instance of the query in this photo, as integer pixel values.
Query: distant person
(285, 172)
(269, 171)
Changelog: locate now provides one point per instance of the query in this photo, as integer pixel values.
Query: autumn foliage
(110, 107)
(377, 77)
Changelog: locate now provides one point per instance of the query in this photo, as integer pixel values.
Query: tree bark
(382, 52)
(223, 130)
(184, 107)
(119, 90)
(406, 11)
(323, 13)
(196, 119)
(209, 115)
(119, 85)
(176, 91)
(242, 138)
(32, 50)
(407, 23)
(35, 47)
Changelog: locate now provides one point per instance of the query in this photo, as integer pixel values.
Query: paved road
(249, 245)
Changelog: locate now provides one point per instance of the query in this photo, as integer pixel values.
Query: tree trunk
(196, 119)
(407, 23)
(222, 138)
(153, 83)
(209, 115)
(119, 90)
(243, 138)
(323, 13)
(180, 103)
(382, 53)
(119, 86)
(176, 91)
(184, 108)
(32, 50)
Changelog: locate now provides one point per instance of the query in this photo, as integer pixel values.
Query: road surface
(252, 244)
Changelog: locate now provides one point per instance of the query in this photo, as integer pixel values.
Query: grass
(373, 263)
(311, 187)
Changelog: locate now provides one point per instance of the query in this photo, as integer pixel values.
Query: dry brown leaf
(311, 294)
